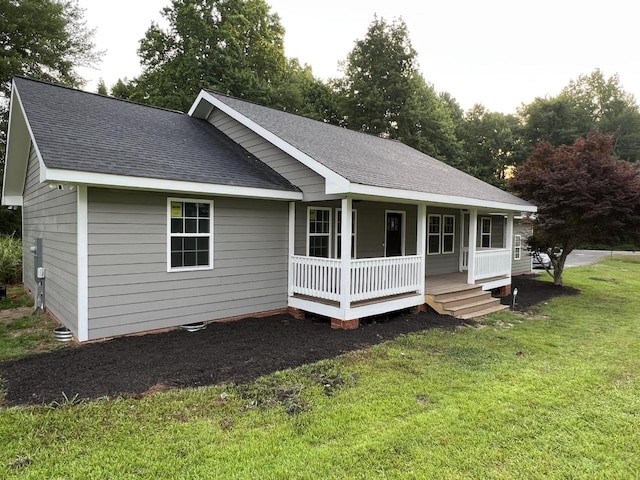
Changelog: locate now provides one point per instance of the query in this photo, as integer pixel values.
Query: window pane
(447, 244)
(203, 258)
(190, 225)
(189, 243)
(203, 210)
(434, 224)
(203, 243)
(448, 224)
(176, 225)
(189, 259)
(176, 244)
(176, 259)
(319, 246)
(434, 244)
(486, 241)
(203, 225)
(190, 209)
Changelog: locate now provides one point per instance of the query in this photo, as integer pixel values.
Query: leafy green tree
(584, 194)
(384, 94)
(232, 46)
(592, 102)
(43, 39)
(491, 143)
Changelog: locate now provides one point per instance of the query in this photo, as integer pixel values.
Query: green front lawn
(550, 395)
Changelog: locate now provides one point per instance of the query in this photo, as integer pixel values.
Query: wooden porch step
(486, 311)
(473, 306)
(463, 301)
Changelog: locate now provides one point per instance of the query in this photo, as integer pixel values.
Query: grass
(26, 333)
(553, 394)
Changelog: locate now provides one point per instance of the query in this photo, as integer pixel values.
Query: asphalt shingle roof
(367, 159)
(82, 131)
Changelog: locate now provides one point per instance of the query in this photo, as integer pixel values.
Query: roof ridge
(109, 97)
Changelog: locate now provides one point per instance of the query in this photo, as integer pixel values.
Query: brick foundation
(504, 291)
(419, 309)
(338, 324)
(296, 313)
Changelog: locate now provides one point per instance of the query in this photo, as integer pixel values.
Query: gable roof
(366, 161)
(76, 131)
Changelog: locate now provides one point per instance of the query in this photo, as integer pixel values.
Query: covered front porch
(327, 282)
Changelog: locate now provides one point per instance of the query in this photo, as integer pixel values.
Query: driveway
(578, 258)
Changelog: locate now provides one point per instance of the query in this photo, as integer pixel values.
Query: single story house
(138, 218)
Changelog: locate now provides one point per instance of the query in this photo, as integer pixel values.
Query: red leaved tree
(584, 195)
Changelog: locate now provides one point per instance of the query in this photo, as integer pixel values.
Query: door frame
(403, 214)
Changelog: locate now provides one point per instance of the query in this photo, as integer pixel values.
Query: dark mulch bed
(532, 292)
(235, 352)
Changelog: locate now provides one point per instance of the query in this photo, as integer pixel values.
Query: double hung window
(190, 225)
(319, 232)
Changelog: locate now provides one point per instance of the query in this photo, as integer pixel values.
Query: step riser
(443, 297)
(475, 308)
(464, 301)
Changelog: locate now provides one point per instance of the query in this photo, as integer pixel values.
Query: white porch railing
(370, 277)
(382, 277)
(316, 276)
(492, 263)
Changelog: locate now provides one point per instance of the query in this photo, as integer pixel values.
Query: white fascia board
(332, 179)
(454, 200)
(19, 139)
(11, 200)
(74, 177)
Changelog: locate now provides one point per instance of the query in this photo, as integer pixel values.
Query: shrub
(10, 260)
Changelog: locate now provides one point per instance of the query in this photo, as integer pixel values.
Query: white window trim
(482, 234)
(403, 232)
(517, 247)
(330, 234)
(452, 234)
(438, 235)
(354, 232)
(171, 235)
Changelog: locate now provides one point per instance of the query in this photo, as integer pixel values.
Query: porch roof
(367, 164)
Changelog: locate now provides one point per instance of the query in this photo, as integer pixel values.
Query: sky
(500, 53)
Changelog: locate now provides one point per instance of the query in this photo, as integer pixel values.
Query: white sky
(500, 53)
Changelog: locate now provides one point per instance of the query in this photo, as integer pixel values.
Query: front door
(393, 241)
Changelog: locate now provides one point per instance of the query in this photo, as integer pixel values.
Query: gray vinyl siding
(51, 214)
(370, 231)
(130, 289)
(311, 184)
(439, 264)
(522, 266)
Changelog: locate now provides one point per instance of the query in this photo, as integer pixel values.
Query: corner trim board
(83, 263)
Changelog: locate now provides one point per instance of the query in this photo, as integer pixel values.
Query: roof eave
(74, 177)
(434, 198)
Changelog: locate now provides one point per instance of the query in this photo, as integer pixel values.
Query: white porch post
(345, 254)
(473, 234)
(508, 244)
(292, 243)
(421, 242)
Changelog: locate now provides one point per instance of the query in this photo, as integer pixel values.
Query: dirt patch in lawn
(8, 315)
(235, 352)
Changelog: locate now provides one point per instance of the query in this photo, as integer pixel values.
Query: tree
(232, 46)
(592, 102)
(384, 94)
(492, 144)
(583, 194)
(43, 39)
